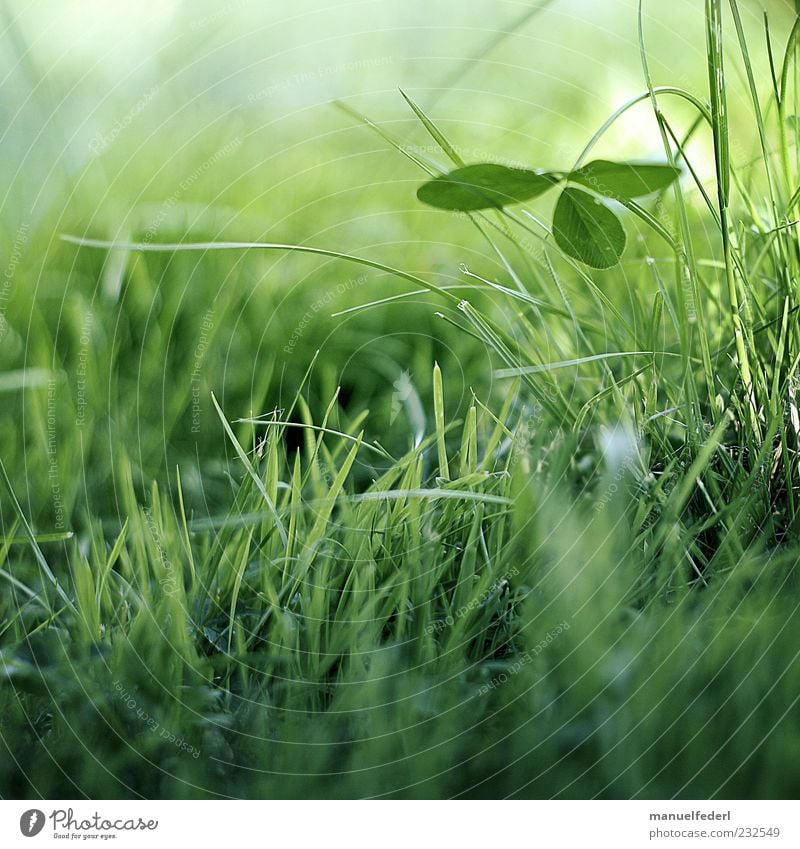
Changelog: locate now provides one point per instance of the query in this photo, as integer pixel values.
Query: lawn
(400, 401)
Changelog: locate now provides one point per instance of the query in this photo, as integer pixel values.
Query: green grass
(530, 531)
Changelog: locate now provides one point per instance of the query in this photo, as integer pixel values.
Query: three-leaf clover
(584, 226)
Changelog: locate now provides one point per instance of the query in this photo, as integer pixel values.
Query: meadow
(400, 401)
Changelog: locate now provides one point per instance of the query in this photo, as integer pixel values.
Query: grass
(528, 532)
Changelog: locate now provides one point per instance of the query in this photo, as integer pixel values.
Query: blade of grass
(31, 537)
(250, 470)
(438, 409)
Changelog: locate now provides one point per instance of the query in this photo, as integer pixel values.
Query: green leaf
(483, 186)
(587, 230)
(624, 180)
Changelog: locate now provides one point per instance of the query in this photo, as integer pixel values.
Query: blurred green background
(201, 121)
(192, 121)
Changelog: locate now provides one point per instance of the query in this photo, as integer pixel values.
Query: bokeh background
(177, 121)
(174, 122)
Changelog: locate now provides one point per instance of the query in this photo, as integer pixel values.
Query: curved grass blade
(701, 108)
(31, 537)
(175, 247)
(434, 132)
(250, 470)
